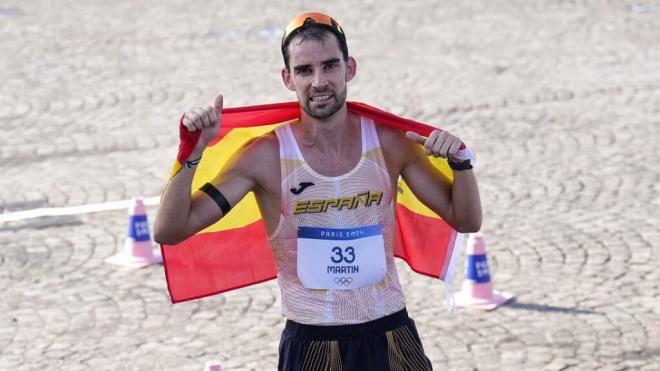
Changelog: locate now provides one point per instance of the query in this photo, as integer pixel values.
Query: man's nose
(319, 80)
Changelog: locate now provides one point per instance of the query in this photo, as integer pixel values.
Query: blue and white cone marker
(213, 366)
(477, 291)
(138, 249)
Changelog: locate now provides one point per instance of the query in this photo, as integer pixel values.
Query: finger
(219, 101)
(454, 148)
(201, 119)
(210, 117)
(196, 115)
(187, 122)
(443, 146)
(432, 142)
(213, 114)
(415, 137)
(435, 146)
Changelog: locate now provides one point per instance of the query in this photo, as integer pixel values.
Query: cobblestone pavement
(560, 100)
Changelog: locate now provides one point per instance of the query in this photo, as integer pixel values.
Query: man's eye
(330, 66)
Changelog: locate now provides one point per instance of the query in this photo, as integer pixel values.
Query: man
(326, 189)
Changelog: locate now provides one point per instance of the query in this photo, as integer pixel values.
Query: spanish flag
(235, 252)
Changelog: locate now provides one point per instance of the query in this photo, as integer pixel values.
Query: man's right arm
(182, 213)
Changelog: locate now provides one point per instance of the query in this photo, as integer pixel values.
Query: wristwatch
(465, 161)
(462, 165)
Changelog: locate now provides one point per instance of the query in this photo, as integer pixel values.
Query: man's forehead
(313, 50)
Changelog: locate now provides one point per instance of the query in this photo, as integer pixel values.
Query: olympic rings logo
(343, 281)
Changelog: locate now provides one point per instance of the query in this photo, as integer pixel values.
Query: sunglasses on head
(305, 19)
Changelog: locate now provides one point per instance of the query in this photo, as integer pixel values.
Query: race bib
(331, 258)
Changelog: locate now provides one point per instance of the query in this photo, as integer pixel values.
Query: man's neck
(332, 134)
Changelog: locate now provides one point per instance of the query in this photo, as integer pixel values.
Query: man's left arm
(458, 203)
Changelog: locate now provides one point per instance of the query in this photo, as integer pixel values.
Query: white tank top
(310, 199)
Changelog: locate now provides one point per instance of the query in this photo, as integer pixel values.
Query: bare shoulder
(265, 145)
(388, 135)
(395, 146)
(259, 154)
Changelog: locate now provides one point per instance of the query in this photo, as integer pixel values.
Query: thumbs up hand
(200, 118)
(198, 127)
(439, 144)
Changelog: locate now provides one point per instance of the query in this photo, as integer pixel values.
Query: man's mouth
(321, 98)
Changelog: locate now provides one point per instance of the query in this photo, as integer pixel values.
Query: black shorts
(388, 343)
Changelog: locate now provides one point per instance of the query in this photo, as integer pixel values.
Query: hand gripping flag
(235, 252)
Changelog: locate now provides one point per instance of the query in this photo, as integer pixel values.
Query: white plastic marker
(213, 366)
(72, 210)
(138, 248)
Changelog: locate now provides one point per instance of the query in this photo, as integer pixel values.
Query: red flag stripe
(425, 243)
(206, 264)
(213, 262)
(266, 114)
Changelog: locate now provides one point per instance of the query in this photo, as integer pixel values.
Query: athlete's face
(318, 74)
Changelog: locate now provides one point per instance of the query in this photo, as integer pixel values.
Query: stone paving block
(559, 99)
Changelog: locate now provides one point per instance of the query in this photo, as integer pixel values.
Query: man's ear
(286, 78)
(351, 68)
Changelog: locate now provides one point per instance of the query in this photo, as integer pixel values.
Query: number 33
(343, 255)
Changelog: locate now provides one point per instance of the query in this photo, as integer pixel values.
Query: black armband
(218, 197)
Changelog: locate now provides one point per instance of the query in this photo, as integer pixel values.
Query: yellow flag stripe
(214, 158)
(408, 199)
(247, 211)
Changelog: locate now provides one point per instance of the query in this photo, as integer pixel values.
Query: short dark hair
(313, 31)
